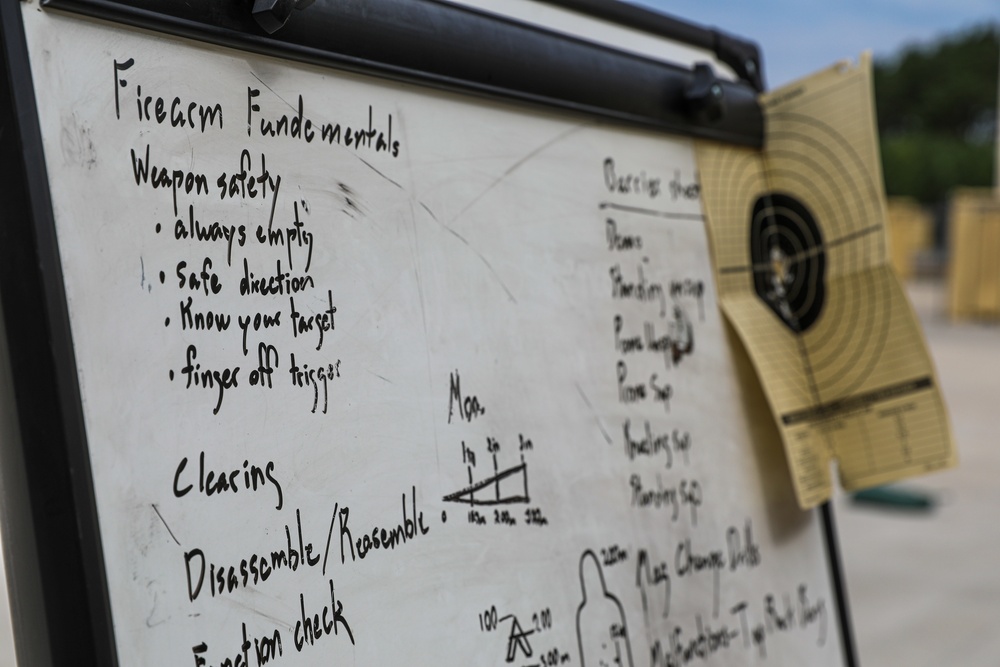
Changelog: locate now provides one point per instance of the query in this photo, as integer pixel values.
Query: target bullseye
(788, 260)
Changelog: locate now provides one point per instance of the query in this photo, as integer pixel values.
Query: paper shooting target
(810, 247)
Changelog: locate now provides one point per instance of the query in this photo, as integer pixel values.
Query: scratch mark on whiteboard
(429, 212)
(597, 417)
(290, 106)
(157, 510)
(352, 200)
(257, 611)
(369, 165)
(485, 261)
(517, 165)
(76, 143)
(380, 377)
(423, 318)
(149, 619)
(461, 238)
(420, 288)
(142, 278)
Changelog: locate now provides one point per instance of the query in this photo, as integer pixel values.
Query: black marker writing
(248, 477)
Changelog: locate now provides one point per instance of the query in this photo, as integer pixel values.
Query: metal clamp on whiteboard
(271, 15)
(704, 98)
(743, 56)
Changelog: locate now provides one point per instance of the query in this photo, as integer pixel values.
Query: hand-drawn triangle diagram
(517, 639)
(600, 620)
(503, 487)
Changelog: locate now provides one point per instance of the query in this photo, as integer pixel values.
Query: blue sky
(800, 36)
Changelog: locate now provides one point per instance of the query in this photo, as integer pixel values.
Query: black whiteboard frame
(436, 43)
(71, 624)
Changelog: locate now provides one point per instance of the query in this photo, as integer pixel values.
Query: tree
(937, 114)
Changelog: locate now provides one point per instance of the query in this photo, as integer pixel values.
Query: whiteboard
(373, 373)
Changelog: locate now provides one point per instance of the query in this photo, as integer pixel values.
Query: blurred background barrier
(911, 234)
(974, 258)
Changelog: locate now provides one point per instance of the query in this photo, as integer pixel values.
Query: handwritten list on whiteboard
(373, 373)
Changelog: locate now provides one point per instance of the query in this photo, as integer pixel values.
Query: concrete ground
(923, 586)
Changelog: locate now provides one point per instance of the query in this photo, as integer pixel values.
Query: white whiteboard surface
(464, 284)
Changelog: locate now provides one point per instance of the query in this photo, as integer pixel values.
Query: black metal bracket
(704, 97)
(449, 46)
(741, 55)
(271, 15)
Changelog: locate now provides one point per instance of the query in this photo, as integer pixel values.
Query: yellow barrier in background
(974, 254)
(910, 233)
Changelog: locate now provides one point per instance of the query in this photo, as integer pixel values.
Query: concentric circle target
(788, 260)
(813, 229)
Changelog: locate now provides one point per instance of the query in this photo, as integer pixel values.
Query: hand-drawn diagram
(600, 620)
(518, 648)
(503, 487)
(517, 639)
